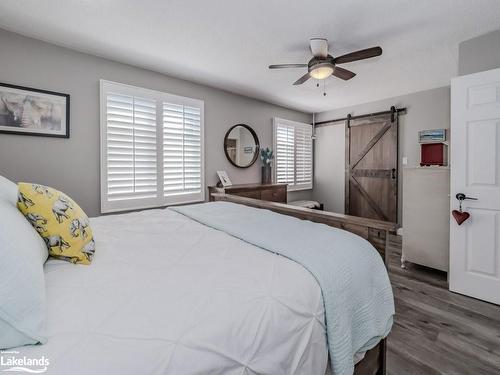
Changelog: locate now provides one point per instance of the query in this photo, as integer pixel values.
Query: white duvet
(167, 295)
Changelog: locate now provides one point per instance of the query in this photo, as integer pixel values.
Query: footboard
(375, 231)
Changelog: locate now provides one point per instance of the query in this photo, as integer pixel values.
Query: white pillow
(22, 280)
(8, 190)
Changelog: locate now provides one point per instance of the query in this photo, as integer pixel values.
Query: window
(151, 148)
(293, 149)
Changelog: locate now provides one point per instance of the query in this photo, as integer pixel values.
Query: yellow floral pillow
(59, 220)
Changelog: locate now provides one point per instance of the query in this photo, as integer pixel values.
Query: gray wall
(479, 54)
(428, 109)
(72, 165)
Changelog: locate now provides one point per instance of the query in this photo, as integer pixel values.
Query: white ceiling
(229, 43)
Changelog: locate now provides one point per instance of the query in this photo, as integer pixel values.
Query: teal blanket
(357, 294)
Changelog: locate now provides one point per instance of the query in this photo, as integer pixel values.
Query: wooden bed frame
(375, 231)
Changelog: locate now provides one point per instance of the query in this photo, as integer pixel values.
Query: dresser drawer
(269, 192)
(248, 194)
(274, 195)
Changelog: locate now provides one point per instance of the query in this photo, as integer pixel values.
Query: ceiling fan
(323, 65)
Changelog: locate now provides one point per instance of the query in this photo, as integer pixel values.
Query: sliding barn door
(372, 167)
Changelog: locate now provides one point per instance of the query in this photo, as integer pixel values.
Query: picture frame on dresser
(35, 112)
(224, 178)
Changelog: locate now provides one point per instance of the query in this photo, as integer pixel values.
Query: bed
(168, 294)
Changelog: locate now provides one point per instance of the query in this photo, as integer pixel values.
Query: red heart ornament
(460, 217)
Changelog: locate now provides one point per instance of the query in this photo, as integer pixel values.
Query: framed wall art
(29, 111)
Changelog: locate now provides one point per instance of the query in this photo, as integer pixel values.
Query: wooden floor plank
(469, 306)
(402, 365)
(436, 331)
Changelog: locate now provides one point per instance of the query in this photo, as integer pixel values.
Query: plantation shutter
(131, 147)
(181, 149)
(285, 161)
(303, 156)
(151, 148)
(293, 148)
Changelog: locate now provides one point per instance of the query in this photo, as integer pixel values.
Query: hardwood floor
(437, 331)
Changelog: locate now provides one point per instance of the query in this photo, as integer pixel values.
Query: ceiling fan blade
(319, 47)
(343, 73)
(302, 79)
(282, 66)
(359, 55)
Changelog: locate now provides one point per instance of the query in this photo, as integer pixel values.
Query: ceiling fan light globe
(321, 72)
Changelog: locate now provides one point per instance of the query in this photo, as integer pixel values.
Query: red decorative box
(433, 154)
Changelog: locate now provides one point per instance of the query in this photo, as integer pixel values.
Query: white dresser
(426, 216)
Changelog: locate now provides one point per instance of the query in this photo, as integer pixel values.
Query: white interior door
(475, 171)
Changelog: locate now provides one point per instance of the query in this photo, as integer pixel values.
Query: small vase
(266, 174)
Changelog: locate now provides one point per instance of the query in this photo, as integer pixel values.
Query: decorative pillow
(22, 281)
(59, 220)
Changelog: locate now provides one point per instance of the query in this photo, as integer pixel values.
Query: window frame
(294, 186)
(160, 200)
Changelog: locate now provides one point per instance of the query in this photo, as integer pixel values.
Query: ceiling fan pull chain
(324, 90)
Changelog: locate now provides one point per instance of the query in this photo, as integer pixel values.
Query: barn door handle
(462, 197)
(393, 173)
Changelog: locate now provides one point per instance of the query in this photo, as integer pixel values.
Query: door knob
(393, 173)
(462, 197)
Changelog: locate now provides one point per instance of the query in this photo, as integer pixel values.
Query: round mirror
(241, 146)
